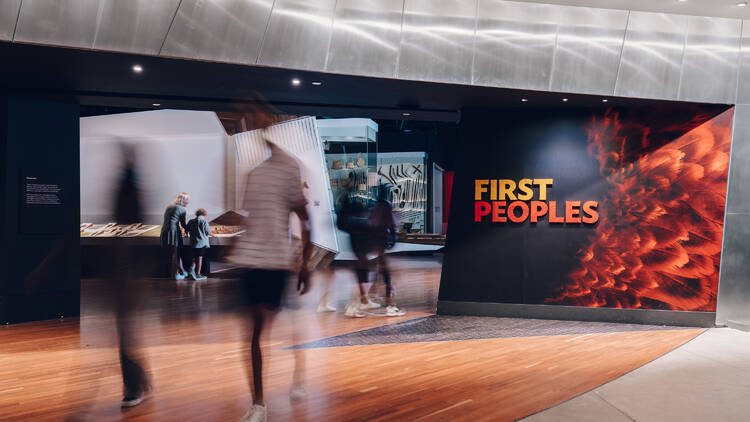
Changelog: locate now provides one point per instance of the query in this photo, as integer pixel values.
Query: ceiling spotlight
(156, 104)
(524, 100)
(406, 113)
(316, 83)
(137, 68)
(681, 1)
(604, 100)
(296, 82)
(742, 4)
(565, 100)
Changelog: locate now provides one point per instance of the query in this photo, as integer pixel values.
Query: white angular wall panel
(300, 138)
(587, 54)
(652, 56)
(298, 34)
(711, 60)
(69, 23)
(8, 18)
(221, 30)
(437, 40)
(135, 26)
(515, 44)
(366, 36)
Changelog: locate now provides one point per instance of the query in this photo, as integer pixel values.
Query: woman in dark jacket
(171, 235)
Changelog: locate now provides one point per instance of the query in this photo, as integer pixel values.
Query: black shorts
(199, 252)
(264, 287)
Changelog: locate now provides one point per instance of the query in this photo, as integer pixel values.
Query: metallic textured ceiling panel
(298, 35)
(711, 60)
(587, 55)
(515, 44)
(652, 56)
(520, 44)
(437, 40)
(8, 18)
(221, 30)
(743, 90)
(134, 26)
(366, 36)
(69, 23)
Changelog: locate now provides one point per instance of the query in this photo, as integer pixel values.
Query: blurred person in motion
(171, 235)
(353, 218)
(199, 230)
(273, 191)
(127, 271)
(372, 230)
(382, 225)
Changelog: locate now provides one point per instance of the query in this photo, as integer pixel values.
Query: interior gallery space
(374, 210)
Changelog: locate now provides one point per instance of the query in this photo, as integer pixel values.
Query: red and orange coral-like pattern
(658, 242)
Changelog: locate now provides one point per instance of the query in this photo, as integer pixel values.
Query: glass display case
(351, 153)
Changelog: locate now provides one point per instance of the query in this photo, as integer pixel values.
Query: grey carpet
(448, 328)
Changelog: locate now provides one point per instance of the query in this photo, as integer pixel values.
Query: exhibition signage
(507, 203)
(625, 206)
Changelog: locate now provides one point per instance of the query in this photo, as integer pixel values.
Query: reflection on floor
(193, 339)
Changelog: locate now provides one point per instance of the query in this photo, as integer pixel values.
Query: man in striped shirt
(273, 191)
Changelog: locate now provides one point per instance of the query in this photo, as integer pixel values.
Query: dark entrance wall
(658, 175)
(39, 243)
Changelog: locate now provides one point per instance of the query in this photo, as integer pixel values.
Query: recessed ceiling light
(406, 114)
(137, 68)
(317, 83)
(156, 104)
(604, 100)
(742, 4)
(565, 100)
(296, 82)
(524, 100)
(681, 1)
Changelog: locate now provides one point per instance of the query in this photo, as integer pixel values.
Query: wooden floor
(192, 340)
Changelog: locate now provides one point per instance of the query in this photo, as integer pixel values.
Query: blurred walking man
(266, 251)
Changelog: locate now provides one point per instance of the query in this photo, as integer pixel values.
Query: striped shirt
(273, 190)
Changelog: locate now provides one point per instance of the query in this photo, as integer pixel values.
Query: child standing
(199, 230)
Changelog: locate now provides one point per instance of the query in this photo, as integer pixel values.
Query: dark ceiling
(106, 79)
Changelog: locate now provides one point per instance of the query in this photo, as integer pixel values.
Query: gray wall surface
(734, 278)
(496, 43)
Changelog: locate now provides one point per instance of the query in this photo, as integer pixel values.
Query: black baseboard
(576, 313)
(17, 309)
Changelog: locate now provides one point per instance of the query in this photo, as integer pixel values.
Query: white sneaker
(134, 400)
(297, 393)
(393, 310)
(179, 277)
(257, 413)
(353, 311)
(326, 308)
(369, 305)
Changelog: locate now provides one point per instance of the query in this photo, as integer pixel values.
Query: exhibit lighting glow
(316, 83)
(604, 100)
(156, 104)
(406, 114)
(524, 100)
(137, 68)
(565, 100)
(296, 82)
(742, 4)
